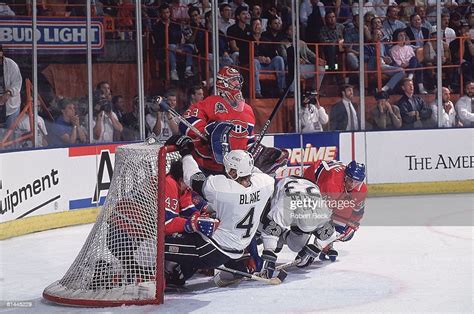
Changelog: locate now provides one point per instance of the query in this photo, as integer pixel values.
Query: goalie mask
(229, 85)
(241, 161)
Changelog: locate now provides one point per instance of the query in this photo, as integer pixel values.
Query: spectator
(404, 56)
(24, 127)
(316, 18)
(119, 107)
(225, 20)
(196, 94)
(103, 91)
(234, 4)
(447, 114)
(391, 23)
(256, 13)
(332, 32)
(162, 124)
(380, 6)
(376, 23)
(5, 10)
(266, 59)
(417, 34)
(455, 21)
(224, 50)
(105, 124)
(430, 57)
(306, 9)
(10, 87)
(275, 35)
(127, 119)
(367, 7)
(448, 33)
(239, 34)
(387, 65)
(308, 62)
(413, 109)
(351, 44)
(313, 115)
(343, 115)
(175, 41)
(421, 11)
(368, 17)
(386, 115)
(124, 21)
(179, 12)
(466, 60)
(465, 106)
(67, 129)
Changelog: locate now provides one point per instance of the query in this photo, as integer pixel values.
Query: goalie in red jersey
(225, 119)
(344, 191)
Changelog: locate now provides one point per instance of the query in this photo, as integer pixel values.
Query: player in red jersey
(345, 192)
(185, 211)
(209, 117)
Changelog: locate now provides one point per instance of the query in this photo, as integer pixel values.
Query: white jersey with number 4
(238, 208)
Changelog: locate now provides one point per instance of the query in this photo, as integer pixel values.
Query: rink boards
(50, 188)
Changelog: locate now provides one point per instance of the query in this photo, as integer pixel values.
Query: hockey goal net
(122, 259)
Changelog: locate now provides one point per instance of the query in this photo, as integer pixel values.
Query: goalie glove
(307, 255)
(269, 259)
(201, 223)
(184, 144)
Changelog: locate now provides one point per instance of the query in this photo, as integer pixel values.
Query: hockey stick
(288, 265)
(254, 148)
(175, 114)
(272, 281)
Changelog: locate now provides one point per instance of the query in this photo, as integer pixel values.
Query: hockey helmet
(229, 86)
(241, 161)
(355, 175)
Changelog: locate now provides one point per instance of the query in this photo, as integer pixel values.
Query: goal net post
(122, 260)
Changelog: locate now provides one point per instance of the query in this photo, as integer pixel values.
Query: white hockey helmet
(240, 160)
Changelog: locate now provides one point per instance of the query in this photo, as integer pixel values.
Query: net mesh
(118, 261)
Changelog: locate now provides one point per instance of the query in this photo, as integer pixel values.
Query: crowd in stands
(400, 57)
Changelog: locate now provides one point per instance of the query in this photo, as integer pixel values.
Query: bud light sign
(53, 35)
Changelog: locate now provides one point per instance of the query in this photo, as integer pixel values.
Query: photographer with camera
(313, 116)
(106, 126)
(161, 123)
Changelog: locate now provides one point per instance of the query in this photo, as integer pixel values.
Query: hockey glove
(347, 233)
(269, 259)
(201, 223)
(163, 105)
(184, 144)
(307, 255)
(328, 253)
(199, 202)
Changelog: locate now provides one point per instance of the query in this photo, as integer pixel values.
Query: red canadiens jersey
(178, 208)
(348, 207)
(215, 108)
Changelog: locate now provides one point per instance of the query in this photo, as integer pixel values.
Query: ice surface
(399, 268)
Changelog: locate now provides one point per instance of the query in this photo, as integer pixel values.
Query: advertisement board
(420, 156)
(49, 181)
(53, 35)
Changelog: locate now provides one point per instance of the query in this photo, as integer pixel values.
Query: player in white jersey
(237, 199)
(297, 211)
